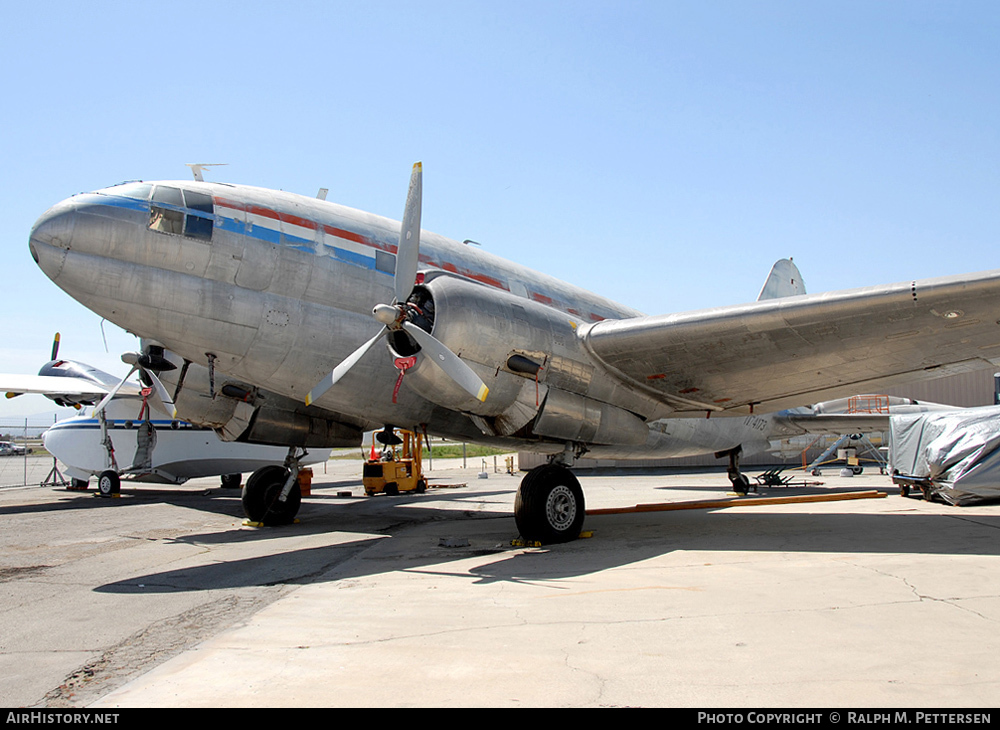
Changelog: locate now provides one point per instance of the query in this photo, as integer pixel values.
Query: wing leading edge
(781, 353)
(50, 385)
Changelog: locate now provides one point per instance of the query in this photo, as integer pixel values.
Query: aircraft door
(259, 259)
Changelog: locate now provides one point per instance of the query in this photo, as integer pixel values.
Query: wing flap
(779, 353)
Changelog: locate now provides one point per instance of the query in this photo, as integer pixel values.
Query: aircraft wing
(49, 385)
(840, 423)
(780, 353)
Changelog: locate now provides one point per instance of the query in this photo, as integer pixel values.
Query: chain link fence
(23, 459)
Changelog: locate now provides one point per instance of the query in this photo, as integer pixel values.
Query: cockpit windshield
(174, 210)
(185, 212)
(136, 190)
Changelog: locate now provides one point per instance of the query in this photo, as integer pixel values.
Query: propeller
(399, 315)
(144, 363)
(55, 353)
(388, 437)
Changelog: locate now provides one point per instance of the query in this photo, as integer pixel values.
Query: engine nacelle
(239, 412)
(526, 353)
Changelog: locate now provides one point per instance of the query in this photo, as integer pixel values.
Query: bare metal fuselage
(275, 289)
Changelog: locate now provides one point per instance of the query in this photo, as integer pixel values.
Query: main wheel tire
(741, 485)
(260, 497)
(231, 481)
(109, 483)
(549, 507)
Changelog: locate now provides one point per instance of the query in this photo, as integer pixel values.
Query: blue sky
(662, 153)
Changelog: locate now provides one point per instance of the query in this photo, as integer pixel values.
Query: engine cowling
(526, 353)
(240, 412)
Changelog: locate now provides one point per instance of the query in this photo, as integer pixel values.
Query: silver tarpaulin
(958, 452)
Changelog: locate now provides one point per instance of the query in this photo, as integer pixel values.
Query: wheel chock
(248, 523)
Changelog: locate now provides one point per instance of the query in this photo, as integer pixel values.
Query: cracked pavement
(170, 601)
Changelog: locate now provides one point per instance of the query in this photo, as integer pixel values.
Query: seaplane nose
(52, 236)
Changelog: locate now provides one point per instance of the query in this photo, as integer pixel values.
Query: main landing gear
(741, 485)
(271, 495)
(549, 507)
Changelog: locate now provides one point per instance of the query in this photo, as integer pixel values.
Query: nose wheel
(549, 507)
(109, 483)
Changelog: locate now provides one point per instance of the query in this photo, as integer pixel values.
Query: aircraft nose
(51, 238)
(55, 226)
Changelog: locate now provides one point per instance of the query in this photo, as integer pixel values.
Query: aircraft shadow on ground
(618, 540)
(219, 501)
(213, 499)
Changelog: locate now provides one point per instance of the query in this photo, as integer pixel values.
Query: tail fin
(783, 281)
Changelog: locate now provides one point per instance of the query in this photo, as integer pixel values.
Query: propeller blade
(449, 362)
(114, 391)
(408, 250)
(162, 393)
(338, 372)
(55, 347)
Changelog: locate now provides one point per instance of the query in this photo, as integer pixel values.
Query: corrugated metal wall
(965, 390)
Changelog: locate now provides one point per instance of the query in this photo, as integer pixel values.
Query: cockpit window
(198, 222)
(186, 212)
(198, 201)
(139, 191)
(168, 195)
(166, 219)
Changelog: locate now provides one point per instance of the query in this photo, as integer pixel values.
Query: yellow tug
(398, 468)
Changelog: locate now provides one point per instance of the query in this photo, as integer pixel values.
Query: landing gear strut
(271, 495)
(741, 485)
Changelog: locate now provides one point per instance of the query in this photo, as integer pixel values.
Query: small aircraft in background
(133, 435)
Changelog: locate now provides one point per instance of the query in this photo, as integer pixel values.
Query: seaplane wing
(784, 352)
(67, 382)
(50, 385)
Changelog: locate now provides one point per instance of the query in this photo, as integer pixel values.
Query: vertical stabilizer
(783, 281)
